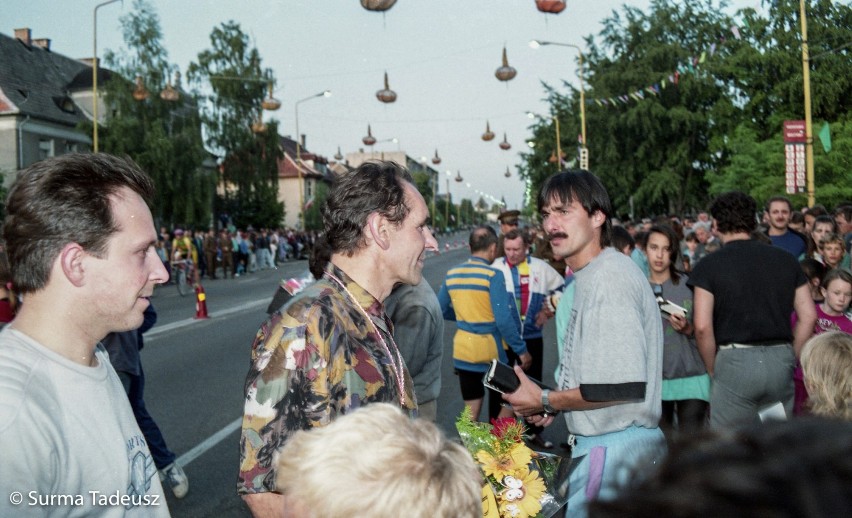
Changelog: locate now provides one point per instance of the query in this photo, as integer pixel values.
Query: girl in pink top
(832, 315)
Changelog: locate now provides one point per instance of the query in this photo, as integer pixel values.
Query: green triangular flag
(825, 137)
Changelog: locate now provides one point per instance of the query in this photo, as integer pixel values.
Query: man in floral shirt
(330, 350)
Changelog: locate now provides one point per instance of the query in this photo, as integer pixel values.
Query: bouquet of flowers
(519, 482)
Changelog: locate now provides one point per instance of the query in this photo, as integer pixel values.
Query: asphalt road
(195, 371)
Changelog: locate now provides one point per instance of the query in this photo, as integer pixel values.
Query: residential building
(44, 96)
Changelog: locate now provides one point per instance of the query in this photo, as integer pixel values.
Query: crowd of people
(676, 339)
(232, 252)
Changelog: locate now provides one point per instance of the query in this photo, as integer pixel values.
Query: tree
(766, 75)
(232, 67)
(715, 125)
(163, 137)
(313, 215)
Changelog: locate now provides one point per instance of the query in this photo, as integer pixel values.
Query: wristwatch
(545, 402)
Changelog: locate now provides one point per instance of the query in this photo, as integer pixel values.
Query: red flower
(507, 427)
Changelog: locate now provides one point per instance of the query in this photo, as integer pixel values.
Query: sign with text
(794, 154)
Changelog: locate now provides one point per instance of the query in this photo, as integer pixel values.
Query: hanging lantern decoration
(459, 177)
(505, 73)
(338, 155)
(507, 174)
(170, 93)
(258, 126)
(488, 135)
(505, 144)
(377, 5)
(386, 95)
(140, 93)
(553, 158)
(550, 6)
(270, 103)
(369, 140)
(436, 159)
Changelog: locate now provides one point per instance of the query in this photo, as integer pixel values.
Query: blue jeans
(611, 461)
(135, 388)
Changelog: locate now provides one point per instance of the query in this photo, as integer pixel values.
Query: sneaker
(540, 441)
(174, 477)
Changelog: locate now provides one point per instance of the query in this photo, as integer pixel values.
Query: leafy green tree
(232, 68)
(719, 127)
(766, 75)
(163, 137)
(313, 216)
(468, 214)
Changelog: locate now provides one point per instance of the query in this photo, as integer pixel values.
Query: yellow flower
(504, 463)
(526, 502)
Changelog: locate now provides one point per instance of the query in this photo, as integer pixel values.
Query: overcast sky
(440, 56)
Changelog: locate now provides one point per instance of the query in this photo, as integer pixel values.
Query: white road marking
(154, 333)
(208, 443)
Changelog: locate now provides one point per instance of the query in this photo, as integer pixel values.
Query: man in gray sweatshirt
(611, 369)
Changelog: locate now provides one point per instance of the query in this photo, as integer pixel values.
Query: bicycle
(184, 274)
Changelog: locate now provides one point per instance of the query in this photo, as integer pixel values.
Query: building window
(70, 147)
(45, 148)
(309, 188)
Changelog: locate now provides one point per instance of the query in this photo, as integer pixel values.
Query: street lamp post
(809, 135)
(584, 152)
(95, 76)
(325, 93)
(447, 206)
(434, 182)
(558, 143)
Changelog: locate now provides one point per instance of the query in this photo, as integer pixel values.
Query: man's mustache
(557, 235)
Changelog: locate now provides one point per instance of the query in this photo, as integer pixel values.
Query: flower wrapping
(518, 482)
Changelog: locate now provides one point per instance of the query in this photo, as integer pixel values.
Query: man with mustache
(330, 349)
(80, 241)
(611, 365)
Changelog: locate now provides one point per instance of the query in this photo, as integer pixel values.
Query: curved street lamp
(558, 152)
(324, 93)
(584, 152)
(95, 76)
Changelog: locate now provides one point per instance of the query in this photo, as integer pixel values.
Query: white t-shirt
(70, 444)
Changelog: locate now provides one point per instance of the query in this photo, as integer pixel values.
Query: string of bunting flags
(655, 89)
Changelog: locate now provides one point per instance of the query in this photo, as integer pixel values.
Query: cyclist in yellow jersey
(182, 248)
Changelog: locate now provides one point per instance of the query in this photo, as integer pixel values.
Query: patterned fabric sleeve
(286, 390)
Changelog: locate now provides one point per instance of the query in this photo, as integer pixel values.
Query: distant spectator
(811, 216)
(831, 311)
(833, 252)
(797, 221)
(823, 226)
(622, 240)
(686, 385)
(843, 217)
(690, 242)
(814, 271)
(744, 295)
(779, 209)
(638, 253)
